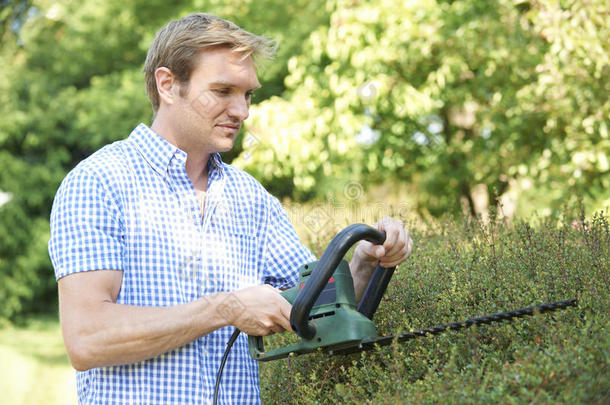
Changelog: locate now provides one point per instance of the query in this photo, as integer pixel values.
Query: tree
(70, 83)
(447, 96)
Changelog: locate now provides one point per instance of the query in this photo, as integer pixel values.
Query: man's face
(210, 114)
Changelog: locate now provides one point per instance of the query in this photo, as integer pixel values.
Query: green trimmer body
(338, 324)
(324, 313)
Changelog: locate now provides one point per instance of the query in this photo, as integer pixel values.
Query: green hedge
(461, 270)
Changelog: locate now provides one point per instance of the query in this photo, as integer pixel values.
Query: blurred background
(435, 108)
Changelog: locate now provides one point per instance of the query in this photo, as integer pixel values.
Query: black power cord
(232, 340)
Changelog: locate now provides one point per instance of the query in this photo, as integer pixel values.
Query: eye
(222, 92)
(249, 96)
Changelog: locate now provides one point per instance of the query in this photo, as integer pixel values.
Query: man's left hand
(395, 250)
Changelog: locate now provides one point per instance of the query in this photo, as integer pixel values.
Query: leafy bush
(459, 270)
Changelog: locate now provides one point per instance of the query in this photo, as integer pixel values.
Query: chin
(225, 146)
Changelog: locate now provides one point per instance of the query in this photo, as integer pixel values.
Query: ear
(166, 85)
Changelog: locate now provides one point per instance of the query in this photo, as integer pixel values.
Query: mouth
(229, 127)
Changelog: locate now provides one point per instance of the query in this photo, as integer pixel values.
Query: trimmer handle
(375, 290)
(324, 270)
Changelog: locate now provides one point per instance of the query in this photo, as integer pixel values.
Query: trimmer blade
(370, 344)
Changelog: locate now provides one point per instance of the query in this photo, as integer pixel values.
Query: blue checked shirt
(131, 207)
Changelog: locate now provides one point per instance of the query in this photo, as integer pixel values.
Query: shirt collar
(158, 152)
(215, 164)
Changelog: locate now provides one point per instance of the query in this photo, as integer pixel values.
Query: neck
(198, 173)
(196, 160)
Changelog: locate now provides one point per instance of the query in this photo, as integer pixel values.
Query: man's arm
(395, 250)
(99, 332)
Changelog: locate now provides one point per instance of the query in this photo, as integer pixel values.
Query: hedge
(467, 268)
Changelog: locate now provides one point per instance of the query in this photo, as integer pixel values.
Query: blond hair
(176, 47)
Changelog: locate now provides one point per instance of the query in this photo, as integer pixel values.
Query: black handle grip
(375, 290)
(331, 258)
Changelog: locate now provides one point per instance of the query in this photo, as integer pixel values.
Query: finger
(391, 228)
(283, 318)
(370, 252)
(378, 251)
(276, 318)
(399, 241)
(409, 245)
(271, 328)
(401, 249)
(401, 256)
(268, 323)
(282, 323)
(277, 329)
(395, 235)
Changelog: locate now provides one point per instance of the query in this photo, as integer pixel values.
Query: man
(159, 247)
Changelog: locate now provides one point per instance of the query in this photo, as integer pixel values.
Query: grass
(35, 368)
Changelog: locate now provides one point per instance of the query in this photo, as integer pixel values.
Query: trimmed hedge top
(464, 269)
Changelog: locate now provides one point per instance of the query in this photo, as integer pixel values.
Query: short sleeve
(86, 226)
(285, 253)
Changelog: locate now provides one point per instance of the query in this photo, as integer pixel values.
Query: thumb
(379, 251)
(370, 252)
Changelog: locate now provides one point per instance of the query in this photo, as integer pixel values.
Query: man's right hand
(258, 310)
(100, 332)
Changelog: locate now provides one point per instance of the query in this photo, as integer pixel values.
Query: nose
(239, 108)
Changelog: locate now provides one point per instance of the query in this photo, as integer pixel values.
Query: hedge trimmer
(324, 313)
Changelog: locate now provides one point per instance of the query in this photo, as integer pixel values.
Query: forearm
(109, 334)
(361, 274)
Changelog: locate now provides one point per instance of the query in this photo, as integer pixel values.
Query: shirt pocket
(231, 250)
(162, 254)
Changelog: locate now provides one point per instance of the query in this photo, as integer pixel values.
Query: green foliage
(70, 82)
(459, 94)
(464, 269)
(511, 96)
